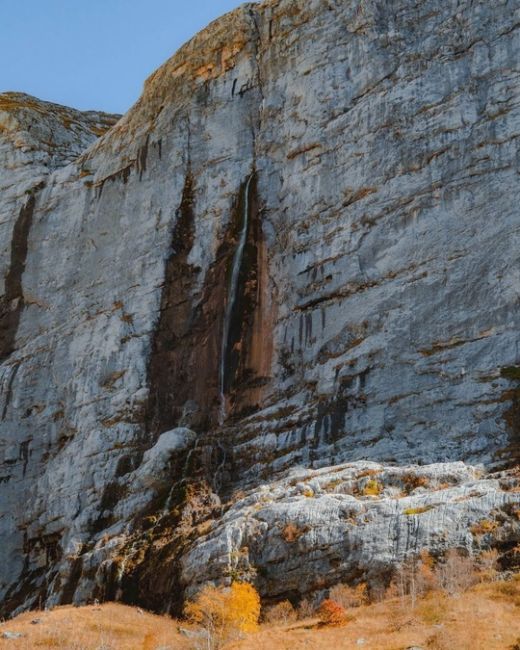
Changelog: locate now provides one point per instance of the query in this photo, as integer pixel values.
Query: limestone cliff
(298, 250)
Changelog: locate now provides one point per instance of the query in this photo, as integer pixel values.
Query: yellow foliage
(348, 597)
(417, 511)
(372, 488)
(210, 604)
(244, 607)
(484, 526)
(225, 613)
(209, 611)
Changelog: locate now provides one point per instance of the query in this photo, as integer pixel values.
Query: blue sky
(94, 53)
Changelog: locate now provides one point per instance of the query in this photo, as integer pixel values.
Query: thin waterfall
(232, 295)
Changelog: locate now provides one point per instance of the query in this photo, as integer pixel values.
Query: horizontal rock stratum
(294, 259)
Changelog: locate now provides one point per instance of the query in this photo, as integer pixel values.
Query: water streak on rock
(232, 296)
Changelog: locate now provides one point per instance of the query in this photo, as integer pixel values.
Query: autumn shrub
(510, 589)
(332, 613)
(487, 564)
(456, 572)
(305, 609)
(415, 577)
(282, 612)
(224, 614)
(244, 607)
(348, 596)
(483, 527)
(209, 611)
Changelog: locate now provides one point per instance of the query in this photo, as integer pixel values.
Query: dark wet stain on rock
(170, 367)
(142, 156)
(29, 584)
(112, 494)
(24, 454)
(125, 465)
(511, 454)
(152, 579)
(121, 175)
(40, 553)
(330, 423)
(248, 350)
(69, 588)
(244, 302)
(183, 371)
(9, 390)
(12, 302)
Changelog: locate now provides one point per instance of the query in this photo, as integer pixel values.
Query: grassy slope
(108, 627)
(485, 618)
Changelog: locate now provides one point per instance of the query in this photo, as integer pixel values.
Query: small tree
(414, 578)
(208, 610)
(244, 607)
(348, 597)
(426, 580)
(224, 614)
(282, 612)
(488, 564)
(306, 609)
(456, 573)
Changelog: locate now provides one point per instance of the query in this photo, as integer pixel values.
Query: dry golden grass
(486, 617)
(105, 627)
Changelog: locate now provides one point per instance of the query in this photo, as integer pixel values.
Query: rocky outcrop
(303, 534)
(298, 249)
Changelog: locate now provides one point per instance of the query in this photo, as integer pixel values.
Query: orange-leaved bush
(332, 613)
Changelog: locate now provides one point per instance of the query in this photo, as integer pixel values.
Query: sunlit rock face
(367, 153)
(358, 520)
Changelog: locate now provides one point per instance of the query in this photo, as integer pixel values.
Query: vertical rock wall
(377, 297)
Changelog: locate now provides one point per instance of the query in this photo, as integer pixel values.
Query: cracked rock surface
(366, 156)
(302, 534)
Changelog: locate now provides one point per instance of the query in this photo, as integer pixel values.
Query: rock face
(315, 528)
(298, 249)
